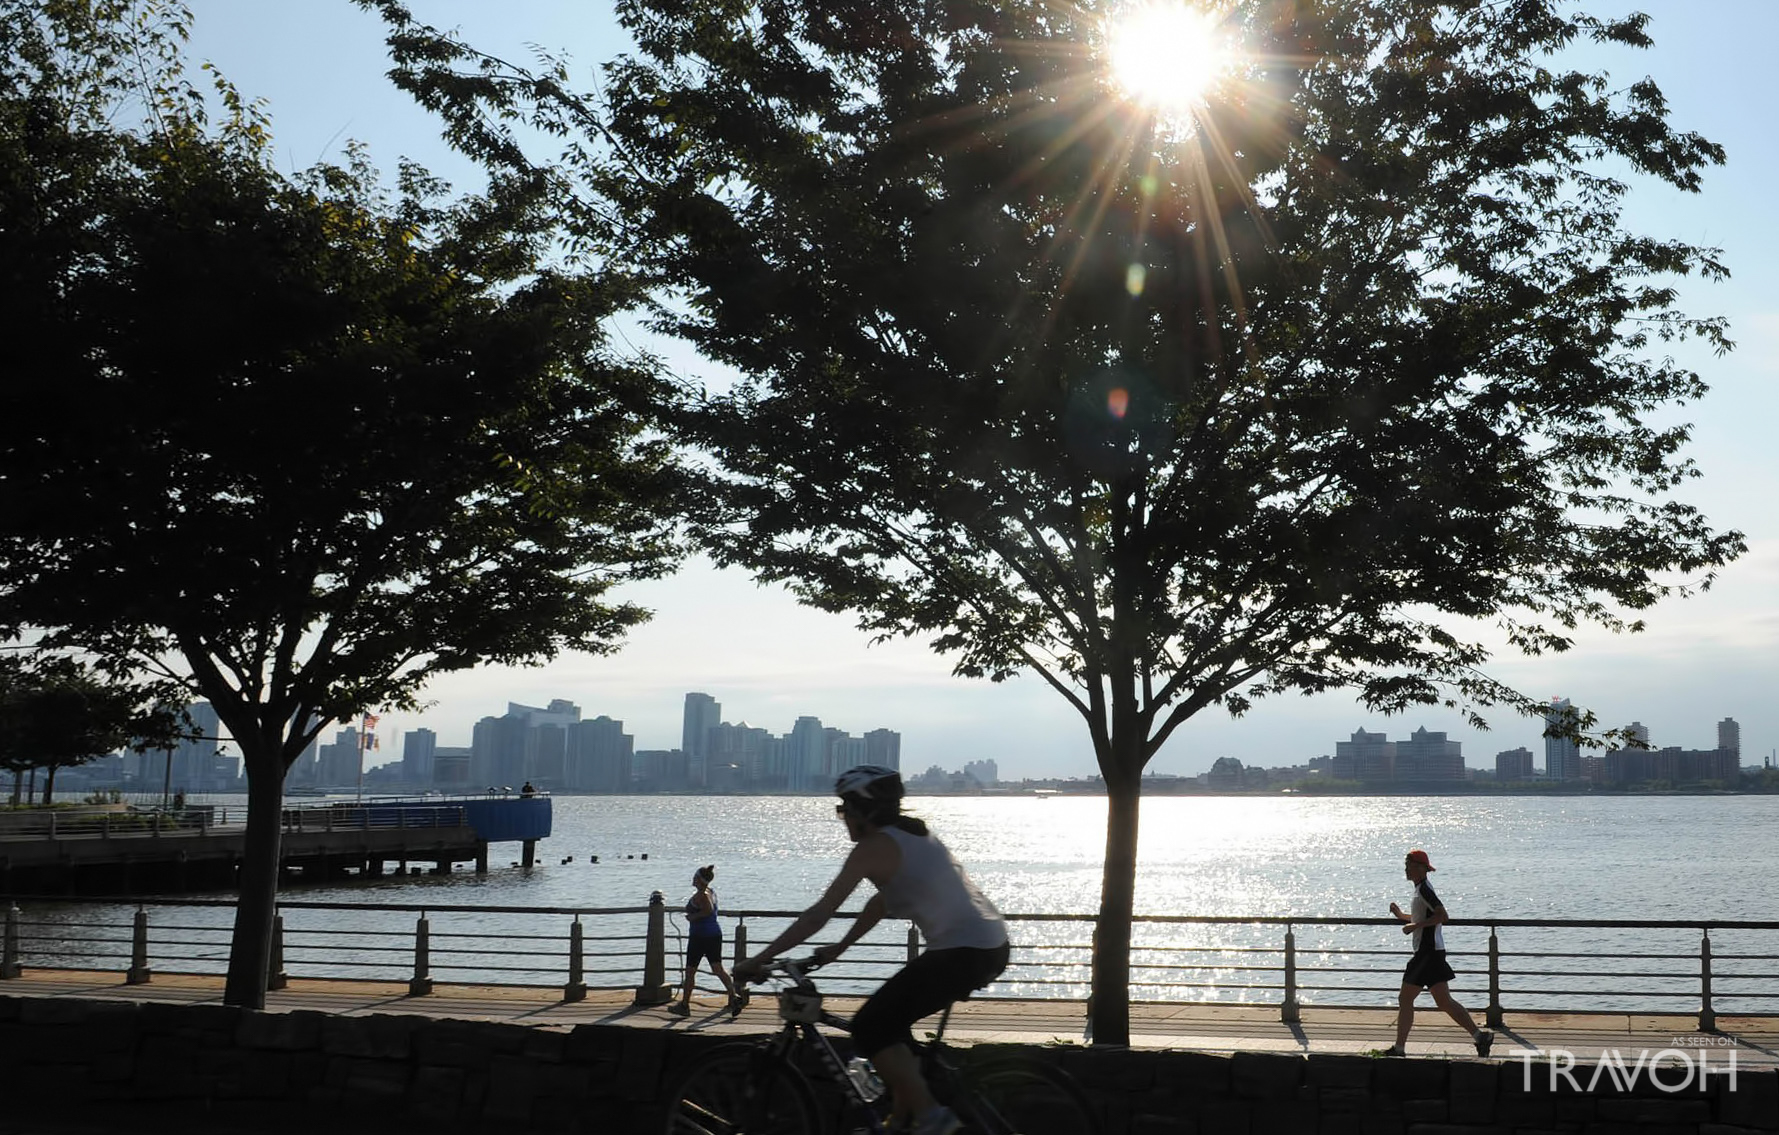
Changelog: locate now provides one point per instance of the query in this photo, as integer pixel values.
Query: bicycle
(760, 1087)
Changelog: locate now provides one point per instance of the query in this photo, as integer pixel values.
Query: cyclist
(917, 879)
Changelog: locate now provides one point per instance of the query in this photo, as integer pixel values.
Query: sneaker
(1393, 1050)
(939, 1121)
(1484, 1038)
(737, 1002)
(680, 1009)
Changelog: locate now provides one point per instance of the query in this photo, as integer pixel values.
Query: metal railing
(1707, 968)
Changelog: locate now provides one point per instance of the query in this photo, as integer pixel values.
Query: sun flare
(1167, 55)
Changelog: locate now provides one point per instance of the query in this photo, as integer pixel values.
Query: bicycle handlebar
(797, 969)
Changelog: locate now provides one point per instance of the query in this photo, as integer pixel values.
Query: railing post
(1492, 1015)
(740, 940)
(276, 978)
(1707, 1015)
(654, 989)
(913, 943)
(9, 953)
(576, 989)
(139, 973)
(421, 983)
(1289, 1011)
(105, 832)
(52, 825)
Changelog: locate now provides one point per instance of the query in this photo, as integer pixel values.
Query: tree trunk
(49, 785)
(1108, 1013)
(250, 953)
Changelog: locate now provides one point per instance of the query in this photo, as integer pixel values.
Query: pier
(196, 848)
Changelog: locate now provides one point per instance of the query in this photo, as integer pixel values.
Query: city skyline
(1701, 660)
(1701, 736)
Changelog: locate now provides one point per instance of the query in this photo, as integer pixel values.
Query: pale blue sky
(321, 64)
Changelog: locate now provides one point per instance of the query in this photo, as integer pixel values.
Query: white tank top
(931, 890)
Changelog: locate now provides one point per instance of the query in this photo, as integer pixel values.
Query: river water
(1497, 857)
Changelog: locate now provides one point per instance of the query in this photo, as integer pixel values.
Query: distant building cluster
(974, 777)
(1427, 760)
(552, 748)
(1634, 762)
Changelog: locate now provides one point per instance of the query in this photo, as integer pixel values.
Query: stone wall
(141, 1067)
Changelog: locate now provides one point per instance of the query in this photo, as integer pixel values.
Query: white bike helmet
(873, 783)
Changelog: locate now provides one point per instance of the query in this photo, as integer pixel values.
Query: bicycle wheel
(741, 1089)
(1021, 1096)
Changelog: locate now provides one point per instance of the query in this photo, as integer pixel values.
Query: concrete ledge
(81, 1061)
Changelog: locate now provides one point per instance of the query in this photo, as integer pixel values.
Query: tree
(1295, 394)
(56, 713)
(295, 442)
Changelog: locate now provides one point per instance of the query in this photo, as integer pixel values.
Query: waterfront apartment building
(1429, 756)
(419, 747)
(1364, 756)
(1513, 765)
(1729, 738)
(703, 713)
(1562, 755)
(600, 757)
(1671, 765)
(884, 747)
(1425, 757)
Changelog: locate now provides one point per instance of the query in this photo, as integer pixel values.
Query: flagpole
(363, 723)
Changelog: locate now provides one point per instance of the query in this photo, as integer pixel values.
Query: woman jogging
(704, 940)
(917, 879)
(1427, 969)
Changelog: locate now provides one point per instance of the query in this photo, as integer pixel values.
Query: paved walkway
(1199, 1027)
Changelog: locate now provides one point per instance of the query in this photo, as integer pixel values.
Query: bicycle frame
(782, 1047)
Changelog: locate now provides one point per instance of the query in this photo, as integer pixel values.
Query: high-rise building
(1638, 732)
(338, 763)
(1562, 754)
(419, 746)
(884, 747)
(1427, 755)
(1729, 738)
(702, 714)
(497, 752)
(806, 755)
(191, 767)
(1366, 756)
(600, 755)
(1513, 764)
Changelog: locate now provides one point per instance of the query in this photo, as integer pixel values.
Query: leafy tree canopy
(299, 442)
(56, 713)
(1175, 413)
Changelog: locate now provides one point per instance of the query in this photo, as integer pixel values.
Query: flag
(370, 721)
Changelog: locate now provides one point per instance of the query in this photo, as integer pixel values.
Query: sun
(1167, 55)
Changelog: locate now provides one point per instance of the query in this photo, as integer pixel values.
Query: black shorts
(705, 947)
(1427, 968)
(926, 985)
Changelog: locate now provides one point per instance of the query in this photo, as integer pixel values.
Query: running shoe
(680, 1009)
(1484, 1038)
(1393, 1050)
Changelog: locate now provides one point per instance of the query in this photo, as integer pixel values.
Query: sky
(321, 66)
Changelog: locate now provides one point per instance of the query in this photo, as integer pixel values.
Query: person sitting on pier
(1427, 969)
(704, 941)
(918, 879)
